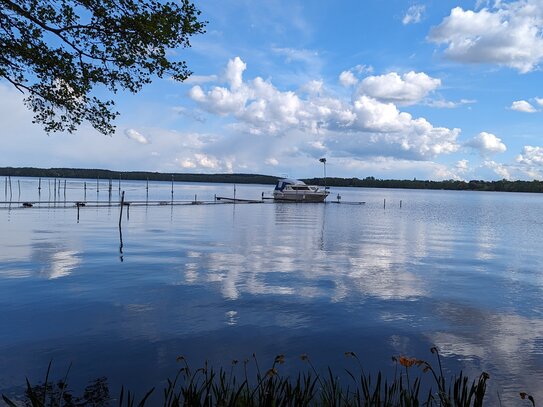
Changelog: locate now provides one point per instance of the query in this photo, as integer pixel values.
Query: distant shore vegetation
(368, 182)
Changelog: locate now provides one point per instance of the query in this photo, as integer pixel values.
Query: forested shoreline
(368, 182)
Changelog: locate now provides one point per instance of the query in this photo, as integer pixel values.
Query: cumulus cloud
(271, 161)
(522, 106)
(206, 162)
(539, 101)
(369, 124)
(531, 156)
(347, 78)
(507, 34)
(312, 87)
(498, 168)
(413, 14)
(462, 166)
(407, 89)
(136, 136)
(234, 72)
(486, 143)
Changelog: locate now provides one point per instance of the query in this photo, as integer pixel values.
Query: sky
(433, 89)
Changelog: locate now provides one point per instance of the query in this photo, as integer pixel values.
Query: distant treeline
(368, 182)
(474, 185)
(135, 175)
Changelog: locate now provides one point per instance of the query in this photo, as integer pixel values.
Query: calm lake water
(459, 270)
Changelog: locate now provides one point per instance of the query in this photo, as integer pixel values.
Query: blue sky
(392, 89)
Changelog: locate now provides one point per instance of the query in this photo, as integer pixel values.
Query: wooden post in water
(172, 189)
(384, 203)
(97, 184)
(85, 190)
(234, 193)
(120, 230)
(119, 183)
(64, 192)
(147, 191)
(39, 184)
(19, 186)
(121, 212)
(400, 203)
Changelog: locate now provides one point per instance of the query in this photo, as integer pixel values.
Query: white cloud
(408, 89)
(414, 14)
(364, 125)
(361, 68)
(508, 34)
(448, 104)
(531, 156)
(539, 101)
(462, 166)
(486, 143)
(136, 136)
(522, 106)
(347, 78)
(234, 72)
(205, 162)
(531, 161)
(271, 161)
(498, 168)
(312, 87)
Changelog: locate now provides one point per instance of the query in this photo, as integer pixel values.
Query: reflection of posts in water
(120, 230)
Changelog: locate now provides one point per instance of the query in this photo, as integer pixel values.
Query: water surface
(459, 270)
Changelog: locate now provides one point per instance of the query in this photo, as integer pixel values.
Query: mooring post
(120, 230)
(121, 212)
(19, 186)
(384, 203)
(97, 184)
(39, 184)
(172, 189)
(119, 183)
(400, 203)
(234, 193)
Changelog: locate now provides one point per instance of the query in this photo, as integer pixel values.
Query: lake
(459, 270)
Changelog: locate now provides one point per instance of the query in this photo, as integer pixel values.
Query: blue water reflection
(460, 270)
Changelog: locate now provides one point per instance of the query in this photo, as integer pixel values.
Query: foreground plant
(206, 386)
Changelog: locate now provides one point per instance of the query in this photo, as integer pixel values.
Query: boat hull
(300, 197)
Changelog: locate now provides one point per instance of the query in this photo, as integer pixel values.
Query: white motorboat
(293, 190)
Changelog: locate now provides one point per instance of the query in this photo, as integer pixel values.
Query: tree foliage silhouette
(63, 55)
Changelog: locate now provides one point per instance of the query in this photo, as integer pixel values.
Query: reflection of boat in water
(293, 190)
